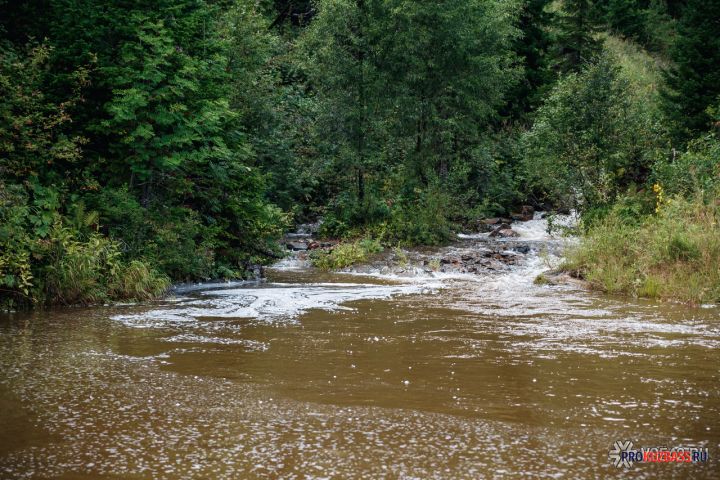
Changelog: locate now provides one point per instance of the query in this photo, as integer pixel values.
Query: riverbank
(672, 255)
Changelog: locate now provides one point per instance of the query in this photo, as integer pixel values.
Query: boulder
(504, 231)
(494, 221)
(449, 260)
(524, 249)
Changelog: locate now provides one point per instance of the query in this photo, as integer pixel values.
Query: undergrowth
(345, 254)
(674, 254)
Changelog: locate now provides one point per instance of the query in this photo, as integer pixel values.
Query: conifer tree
(533, 49)
(577, 43)
(693, 83)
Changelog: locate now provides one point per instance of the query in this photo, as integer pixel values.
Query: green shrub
(597, 135)
(420, 218)
(680, 248)
(414, 216)
(695, 171)
(673, 254)
(137, 281)
(345, 254)
(91, 271)
(48, 258)
(77, 270)
(348, 217)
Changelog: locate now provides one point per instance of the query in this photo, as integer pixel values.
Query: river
(362, 375)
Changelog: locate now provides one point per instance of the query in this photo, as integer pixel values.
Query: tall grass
(137, 281)
(345, 254)
(674, 254)
(92, 271)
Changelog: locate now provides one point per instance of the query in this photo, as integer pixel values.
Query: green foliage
(642, 70)
(405, 94)
(16, 276)
(693, 82)
(664, 243)
(632, 207)
(647, 22)
(672, 255)
(155, 86)
(419, 217)
(62, 263)
(693, 172)
(136, 280)
(533, 48)
(576, 43)
(596, 136)
(190, 165)
(91, 271)
(34, 144)
(345, 216)
(345, 254)
(625, 17)
(272, 107)
(126, 127)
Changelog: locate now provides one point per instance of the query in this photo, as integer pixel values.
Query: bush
(413, 216)
(345, 254)
(47, 258)
(672, 255)
(136, 280)
(349, 217)
(696, 171)
(596, 136)
(179, 241)
(419, 218)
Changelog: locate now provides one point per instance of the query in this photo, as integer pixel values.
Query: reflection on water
(314, 375)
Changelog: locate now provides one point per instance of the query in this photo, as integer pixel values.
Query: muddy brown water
(314, 375)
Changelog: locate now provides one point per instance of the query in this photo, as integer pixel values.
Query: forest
(149, 142)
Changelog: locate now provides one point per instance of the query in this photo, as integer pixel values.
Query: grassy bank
(345, 254)
(674, 254)
(64, 269)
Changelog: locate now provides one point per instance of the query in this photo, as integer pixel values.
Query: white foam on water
(473, 236)
(269, 302)
(194, 339)
(535, 229)
(291, 262)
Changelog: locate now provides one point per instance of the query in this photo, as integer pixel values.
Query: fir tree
(693, 84)
(577, 42)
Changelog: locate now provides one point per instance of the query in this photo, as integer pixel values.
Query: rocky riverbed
(497, 245)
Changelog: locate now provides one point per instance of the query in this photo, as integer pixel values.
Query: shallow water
(315, 375)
